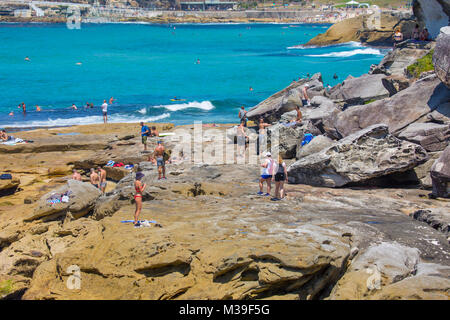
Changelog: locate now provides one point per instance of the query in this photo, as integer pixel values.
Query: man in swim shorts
(145, 131)
(159, 156)
(95, 179)
(76, 175)
(102, 173)
(305, 98)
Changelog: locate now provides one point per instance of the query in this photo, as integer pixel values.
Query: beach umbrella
(352, 2)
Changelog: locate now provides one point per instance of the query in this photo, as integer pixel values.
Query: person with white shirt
(266, 174)
(105, 111)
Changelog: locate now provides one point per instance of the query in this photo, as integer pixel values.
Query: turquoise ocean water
(144, 66)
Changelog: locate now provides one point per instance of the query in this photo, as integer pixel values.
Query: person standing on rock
(266, 174)
(102, 174)
(159, 156)
(298, 118)
(95, 179)
(105, 111)
(145, 132)
(243, 115)
(76, 175)
(280, 178)
(139, 187)
(241, 139)
(154, 132)
(305, 97)
(262, 140)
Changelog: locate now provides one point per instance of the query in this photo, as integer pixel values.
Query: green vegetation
(422, 65)
(6, 287)
(370, 101)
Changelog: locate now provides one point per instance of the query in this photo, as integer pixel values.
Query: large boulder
(374, 29)
(286, 100)
(398, 111)
(360, 90)
(431, 136)
(395, 83)
(317, 144)
(440, 174)
(432, 14)
(116, 173)
(289, 138)
(367, 154)
(321, 107)
(81, 201)
(8, 187)
(422, 172)
(390, 270)
(441, 56)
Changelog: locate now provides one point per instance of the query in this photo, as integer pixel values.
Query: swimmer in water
(198, 61)
(38, 108)
(27, 59)
(78, 63)
(74, 107)
(251, 89)
(111, 101)
(11, 114)
(335, 76)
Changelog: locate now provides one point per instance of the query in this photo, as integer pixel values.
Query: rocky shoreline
(357, 222)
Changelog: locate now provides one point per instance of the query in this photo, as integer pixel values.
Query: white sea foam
(204, 105)
(351, 44)
(344, 54)
(143, 111)
(115, 118)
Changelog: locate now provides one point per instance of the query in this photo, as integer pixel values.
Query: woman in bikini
(138, 196)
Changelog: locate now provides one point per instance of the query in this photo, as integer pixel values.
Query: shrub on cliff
(421, 65)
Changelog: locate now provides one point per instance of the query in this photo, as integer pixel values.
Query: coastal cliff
(362, 29)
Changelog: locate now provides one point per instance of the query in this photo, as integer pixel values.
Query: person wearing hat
(266, 174)
(139, 187)
(305, 97)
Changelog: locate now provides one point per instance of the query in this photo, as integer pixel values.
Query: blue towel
(307, 138)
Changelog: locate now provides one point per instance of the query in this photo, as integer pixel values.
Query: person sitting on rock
(398, 37)
(416, 33)
(424, 35)
(3, 135)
